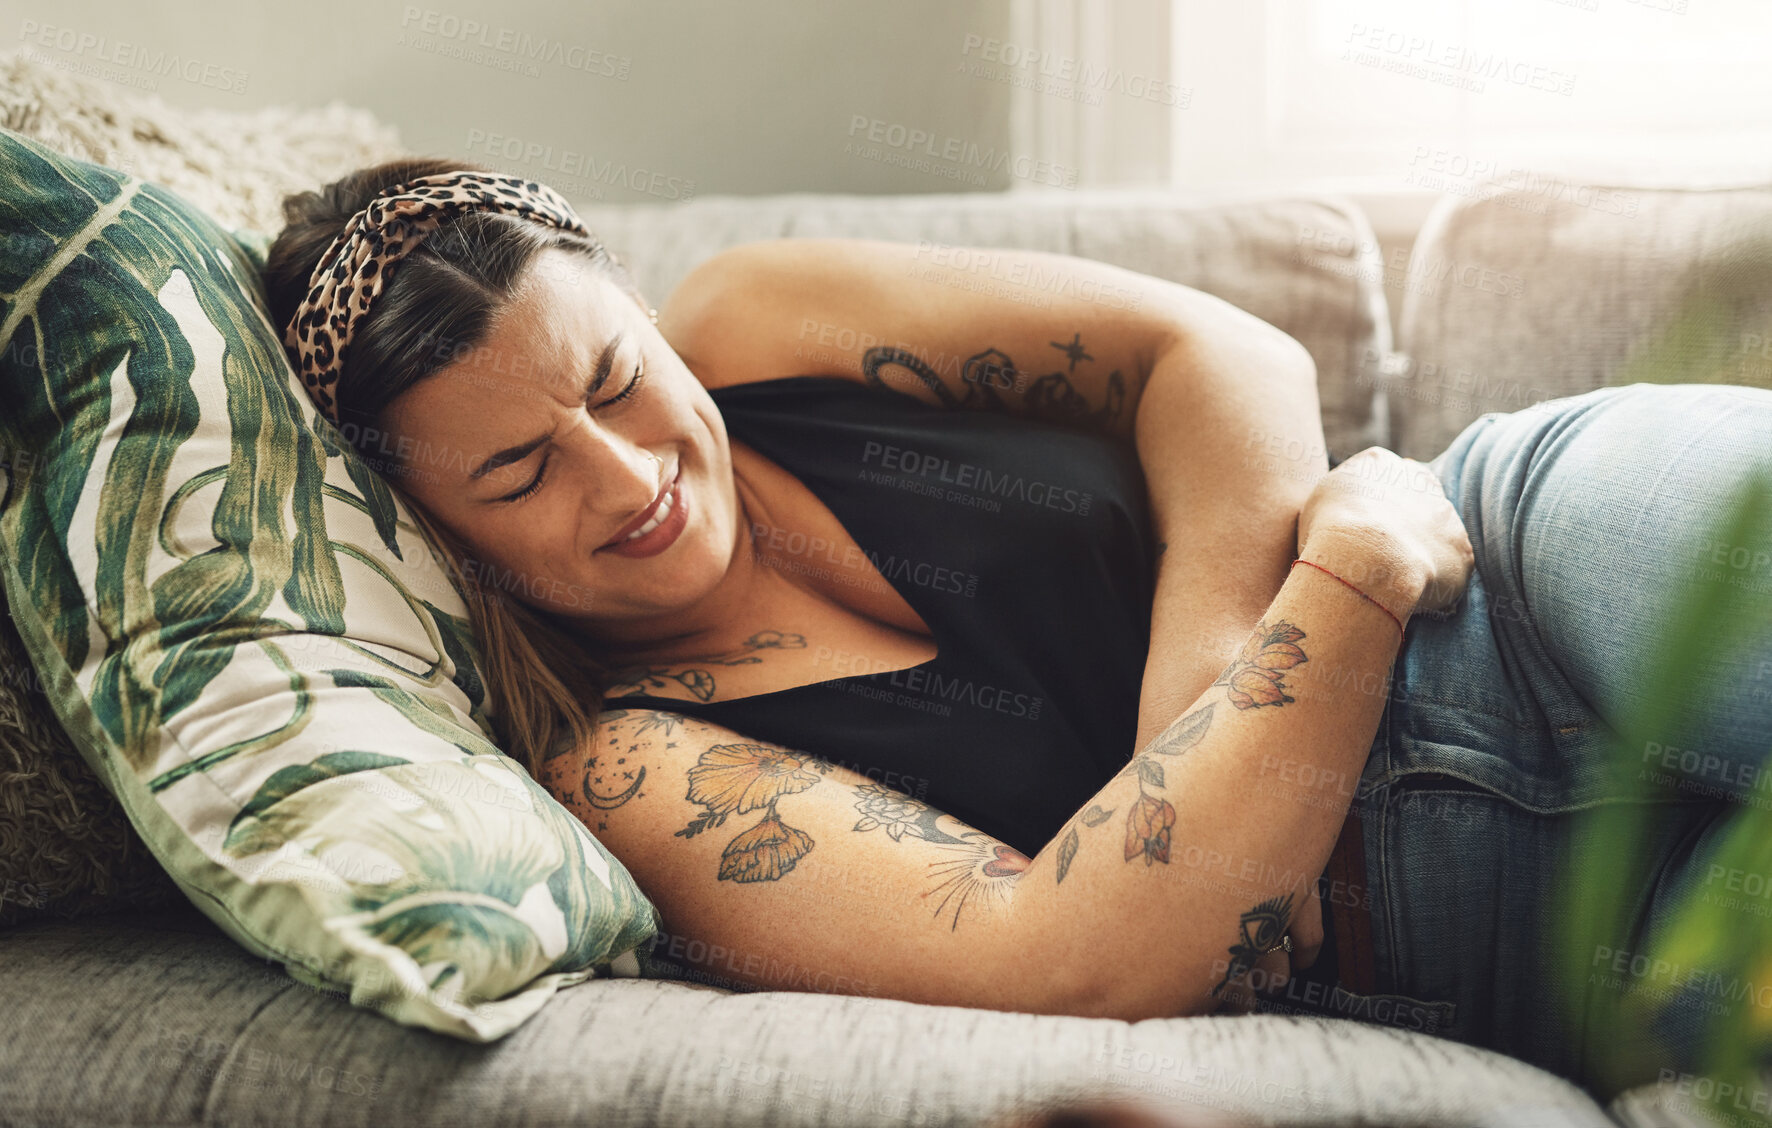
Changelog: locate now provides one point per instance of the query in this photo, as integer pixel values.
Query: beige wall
(645, 99)
(658, 99)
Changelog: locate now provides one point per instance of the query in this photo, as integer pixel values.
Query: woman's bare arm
(1194, 859)
(776, 869)
(1065, 339)
(775, 861)
(1231, 444)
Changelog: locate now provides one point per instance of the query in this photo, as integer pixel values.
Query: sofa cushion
(246, 637)
(66, 848)
(1307, 265)
(190, 1031)
(1516, 295)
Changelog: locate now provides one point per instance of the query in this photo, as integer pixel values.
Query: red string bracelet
(1355, 590)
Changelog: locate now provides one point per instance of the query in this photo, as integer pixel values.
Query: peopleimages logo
(1064, 75)
(92, 48)
(803, 547)
(964, 156)
(583, 167)
(1455, 64)
(517, 45)
(969, 476)
(933, 691)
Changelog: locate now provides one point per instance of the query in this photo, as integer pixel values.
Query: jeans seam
(1387, 911)
(1578, 711)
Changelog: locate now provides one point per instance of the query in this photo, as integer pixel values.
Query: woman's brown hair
(541, 683)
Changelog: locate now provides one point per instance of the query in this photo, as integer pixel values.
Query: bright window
(1376, 95)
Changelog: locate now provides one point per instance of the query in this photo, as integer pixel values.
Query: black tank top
(1026, 548)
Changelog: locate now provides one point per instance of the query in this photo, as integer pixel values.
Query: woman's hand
(1307, 931)
(1383, 522)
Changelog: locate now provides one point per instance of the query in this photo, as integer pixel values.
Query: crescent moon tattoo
(610, 802)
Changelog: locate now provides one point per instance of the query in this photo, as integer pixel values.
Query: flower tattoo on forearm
(1151, 818)
(1256, 676)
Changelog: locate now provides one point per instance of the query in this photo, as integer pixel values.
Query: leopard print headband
(355, 268)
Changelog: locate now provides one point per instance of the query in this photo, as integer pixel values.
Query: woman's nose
(628, 476)
(629, 480)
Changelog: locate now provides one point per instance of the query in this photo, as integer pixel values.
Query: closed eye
(541, 471)
(534, 483)
(633, 386)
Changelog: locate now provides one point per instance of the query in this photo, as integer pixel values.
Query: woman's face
(535, 448)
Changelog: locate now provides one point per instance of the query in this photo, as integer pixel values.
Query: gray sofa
(156, 1017)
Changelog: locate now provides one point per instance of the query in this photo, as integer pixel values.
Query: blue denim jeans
(1589, 515)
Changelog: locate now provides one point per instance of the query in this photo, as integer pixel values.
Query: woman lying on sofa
(989, 629)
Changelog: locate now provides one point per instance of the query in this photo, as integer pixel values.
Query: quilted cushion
(249, 641)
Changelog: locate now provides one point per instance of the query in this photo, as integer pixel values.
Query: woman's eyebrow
(605, 365)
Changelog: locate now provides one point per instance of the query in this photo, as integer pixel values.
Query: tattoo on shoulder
(1256, 676)
(611, 773)
(983, 376)
(696, 678)
(1258, 931)
(977, 871)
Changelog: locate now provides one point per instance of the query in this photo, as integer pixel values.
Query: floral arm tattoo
(1256, 677)
(749, 778)
(740, 778)
(734, 779)
(1150, 819)
(977, 870)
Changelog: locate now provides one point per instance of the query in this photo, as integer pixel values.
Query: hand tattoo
(1259, 930)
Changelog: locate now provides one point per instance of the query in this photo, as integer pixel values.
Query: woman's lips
(667, 531)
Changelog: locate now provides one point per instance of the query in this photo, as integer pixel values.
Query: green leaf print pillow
(248, 639)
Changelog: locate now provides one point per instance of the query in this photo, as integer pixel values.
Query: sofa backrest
(1305, 264)
(1520, 293)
